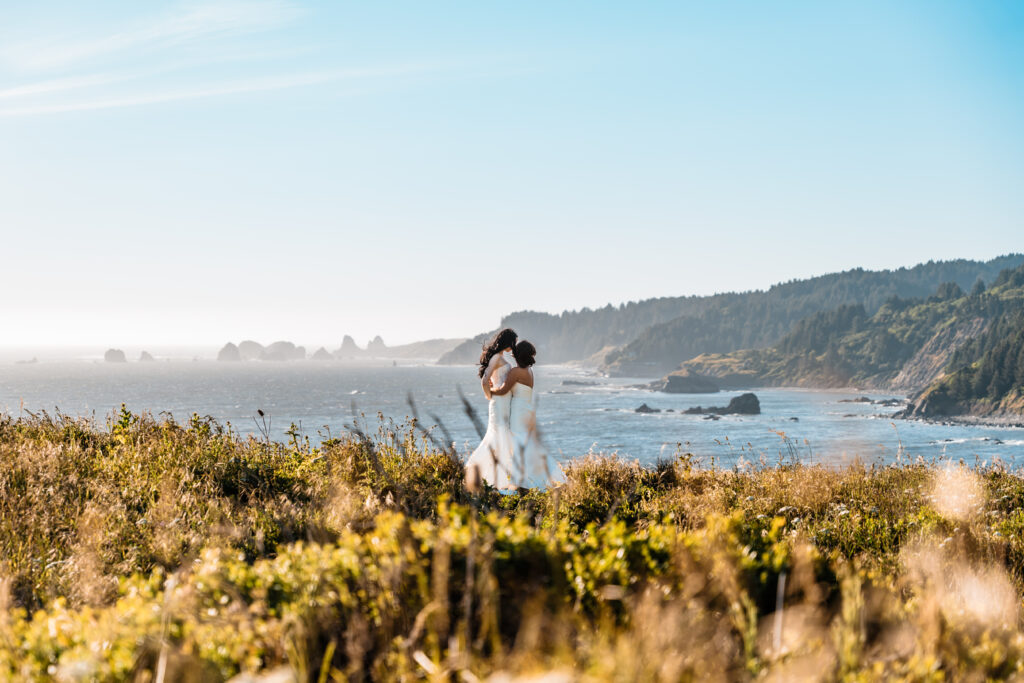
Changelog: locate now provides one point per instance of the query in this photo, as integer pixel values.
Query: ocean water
(598, 415)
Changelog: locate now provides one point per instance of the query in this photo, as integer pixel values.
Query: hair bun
(525, 354)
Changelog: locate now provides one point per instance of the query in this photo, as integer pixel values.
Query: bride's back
(522, 392)
(521, 409)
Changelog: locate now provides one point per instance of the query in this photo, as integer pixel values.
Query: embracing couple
(510, 456)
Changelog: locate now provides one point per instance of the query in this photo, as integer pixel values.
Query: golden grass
(151, 550)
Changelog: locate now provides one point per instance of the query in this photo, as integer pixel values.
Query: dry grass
(145, 549)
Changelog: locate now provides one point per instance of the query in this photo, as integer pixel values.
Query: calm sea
(598, 415)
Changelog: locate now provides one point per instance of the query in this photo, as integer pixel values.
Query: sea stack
(744, 404)
(376, 347)
(349, 348)
(283, 351)
(250, 350)
(688, 383)
(229, 352)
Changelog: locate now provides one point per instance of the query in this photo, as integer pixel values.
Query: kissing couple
(510, 457)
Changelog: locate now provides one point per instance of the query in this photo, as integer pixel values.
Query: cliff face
(985, 378)
(928, 364)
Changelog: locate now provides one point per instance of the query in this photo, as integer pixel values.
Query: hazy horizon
(24, 351)
(183, 173)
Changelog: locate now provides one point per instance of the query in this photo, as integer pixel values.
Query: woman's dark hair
(505, 339)
(524, 353)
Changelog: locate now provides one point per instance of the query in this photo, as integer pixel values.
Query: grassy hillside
(147, 551)
(905, 345)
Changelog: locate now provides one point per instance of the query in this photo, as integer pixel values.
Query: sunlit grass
(141, 548)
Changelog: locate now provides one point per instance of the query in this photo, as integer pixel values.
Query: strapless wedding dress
(532, 466)
(493, 457)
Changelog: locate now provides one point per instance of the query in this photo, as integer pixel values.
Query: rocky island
(686, 382)
(744, 404)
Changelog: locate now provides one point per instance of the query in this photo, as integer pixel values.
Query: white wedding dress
(493, 457)
(532, 466)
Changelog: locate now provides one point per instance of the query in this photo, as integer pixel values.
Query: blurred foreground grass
(155, 551)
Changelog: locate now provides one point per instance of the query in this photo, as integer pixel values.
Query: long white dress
(532, 466)
(492, 459)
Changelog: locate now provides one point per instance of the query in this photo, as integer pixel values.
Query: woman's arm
(510, 381)
(496, 362)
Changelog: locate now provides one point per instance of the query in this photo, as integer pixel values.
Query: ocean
(577, 412)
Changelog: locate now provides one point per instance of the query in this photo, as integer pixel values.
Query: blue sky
(188, 173)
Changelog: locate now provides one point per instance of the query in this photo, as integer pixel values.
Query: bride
(523, 463)
(492, 459)
(532, 467)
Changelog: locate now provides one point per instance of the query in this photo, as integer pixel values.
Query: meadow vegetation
(146, 549)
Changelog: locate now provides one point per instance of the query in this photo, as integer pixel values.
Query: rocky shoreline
(996, 422)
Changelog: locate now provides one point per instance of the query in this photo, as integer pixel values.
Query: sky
(198, 172)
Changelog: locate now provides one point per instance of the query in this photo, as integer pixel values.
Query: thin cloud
(218, 90)
(31, 90)
(187, 24)
(59, 85)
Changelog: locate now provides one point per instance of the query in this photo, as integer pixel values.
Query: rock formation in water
(229, 352)
(349, 349)
(744, 404)
(283, 351)
(115, 356)
(322, 354)
(687, 383)
(376, 347)
(250, 350)
(146, 357)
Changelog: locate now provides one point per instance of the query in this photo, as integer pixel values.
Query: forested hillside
(986, 374)
(968, 347)
(761, 319)
(655, 335)
(576, 335)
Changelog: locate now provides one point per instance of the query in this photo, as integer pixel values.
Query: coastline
(999, 422)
